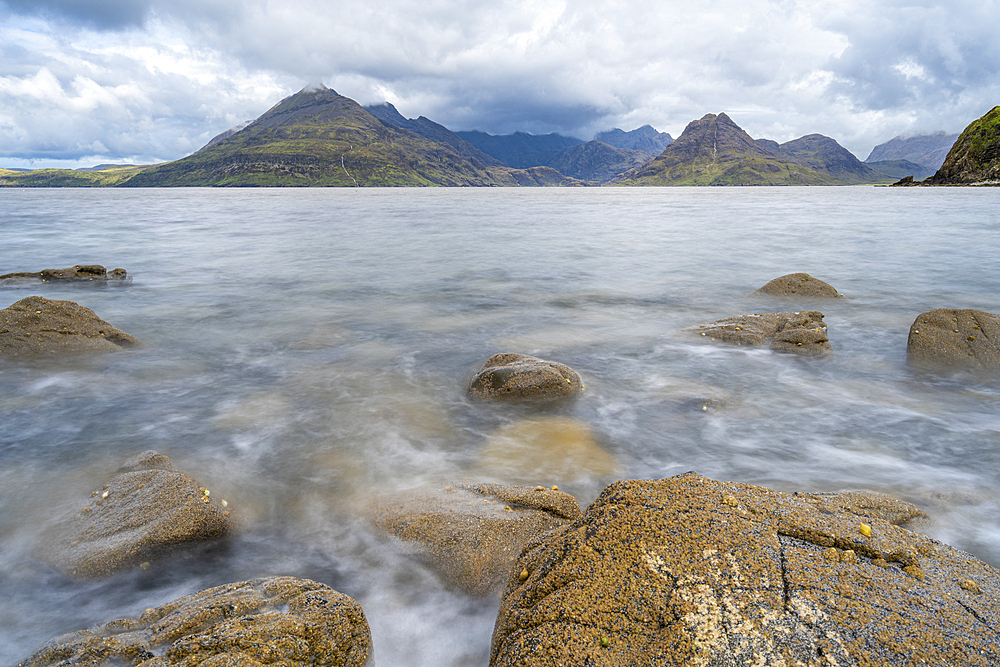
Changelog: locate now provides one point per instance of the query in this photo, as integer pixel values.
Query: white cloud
(165, 76)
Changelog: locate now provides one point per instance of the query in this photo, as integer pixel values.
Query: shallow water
(306, 349)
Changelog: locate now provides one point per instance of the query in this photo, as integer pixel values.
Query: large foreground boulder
(470, 534)
(691, 571)
(81, 273)
(800, 285)
(802, 332)
(148, 510)
(36, 325)
(955, 338)
(277, 621)
(510, 375)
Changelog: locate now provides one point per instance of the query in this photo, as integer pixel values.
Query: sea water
(307, 350)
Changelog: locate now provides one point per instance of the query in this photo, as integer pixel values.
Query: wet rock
(36, 325)
(799, 285)
(802, 332)
(470, 534)
(276, 621)
(81, 273)
(557, 450)
(509, 375)
(955, 338)
(691, 571)
(145, 512)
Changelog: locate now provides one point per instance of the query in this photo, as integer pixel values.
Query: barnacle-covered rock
(955, 338)
(510, 375)
(800, 285)
(36, 325)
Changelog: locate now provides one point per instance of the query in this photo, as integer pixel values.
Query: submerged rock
(691, 571)
(558, 449)
(510, 375)
(276, 621)
(145, 512)
(81, 273)
(800, 285)
(802, 332)
(955, 338)
(470, 534)
(36, 325)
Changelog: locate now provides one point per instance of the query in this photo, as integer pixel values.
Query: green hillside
(975, 157)
(319, 138)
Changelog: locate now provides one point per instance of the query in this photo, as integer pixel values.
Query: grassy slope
(63, 178)
(975, 157)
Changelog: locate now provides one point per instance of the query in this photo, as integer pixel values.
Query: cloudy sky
(84, 82)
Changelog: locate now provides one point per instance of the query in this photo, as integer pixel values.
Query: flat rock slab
(276, 621)
(799, 285)
(510, 375)
(145, 512)
(802, 332)
(470, 534)
(81, 273)
(691, 571)
(955, 338)
(36, 325)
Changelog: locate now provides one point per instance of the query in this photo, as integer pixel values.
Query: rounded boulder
(513, 376)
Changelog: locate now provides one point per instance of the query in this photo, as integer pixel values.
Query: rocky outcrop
(955, 338)
(470, 534)
(145, 512)
(89, 273)
(802, 332)
(509, 375)
(35, 325)
(691, 571)
(799, 285)
(974, 159)
(275, 621)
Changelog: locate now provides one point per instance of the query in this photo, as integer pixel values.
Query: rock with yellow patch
(670, 573)
(277, 621)
(89, 274)
(513, 376)
(799, 285)
(148, 510)
(802, 332)
(950, 338)
(470, 534)
(545, 449)
(36, 325)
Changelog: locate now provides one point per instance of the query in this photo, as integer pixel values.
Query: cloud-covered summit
(152, 80)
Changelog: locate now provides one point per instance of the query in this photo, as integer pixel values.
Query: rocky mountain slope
(975, 157)
(645, 139)
(428, 129)
(928, 150)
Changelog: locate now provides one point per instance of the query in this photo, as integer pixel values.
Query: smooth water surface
(306, 350)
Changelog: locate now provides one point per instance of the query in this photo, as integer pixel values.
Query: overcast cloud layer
(88, 82)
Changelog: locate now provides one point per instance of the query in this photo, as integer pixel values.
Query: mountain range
(317, 137)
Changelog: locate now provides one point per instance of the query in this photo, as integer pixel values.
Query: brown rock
(470, 534)
(690, 571)
(802, 332)
(36, 325)
(89, 273)
(955, 338)
(277, 621)
(142, 514)
(509, 375)
(800, 285)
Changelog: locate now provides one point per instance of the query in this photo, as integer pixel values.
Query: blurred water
(306, 349)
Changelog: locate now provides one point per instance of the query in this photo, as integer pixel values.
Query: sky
(86, 82)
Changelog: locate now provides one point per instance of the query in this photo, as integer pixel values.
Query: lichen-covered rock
(802, 332)
(81, 273)
(509, 375)
(691, 571)
(146, 511)
(799, 285)
(470, 534)
(276, 621)
(36, 325)
(955, 338)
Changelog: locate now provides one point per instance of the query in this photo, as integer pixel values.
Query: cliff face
(975, 157)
